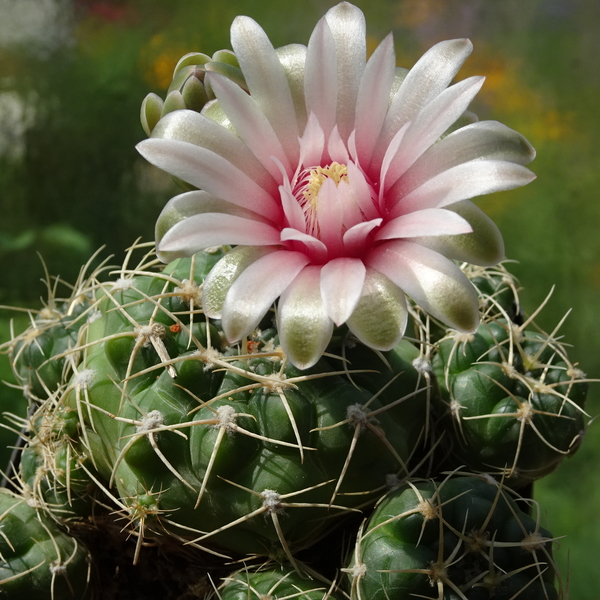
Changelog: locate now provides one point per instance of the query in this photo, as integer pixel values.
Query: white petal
(489, 140)
(255, 290)
(187, 205)
(195, 128)
(293, 211)
(320, 76)
(435, 283)
(303, 325)
(374, 97)
(427, 222)
(341, 286)
(312, 143)
(337, 148)
(430, 123)
(251, 124)
(355, 238)
(465, 181)
(380, 317)
(361, 191)
(293, 58)
(484, 246)
(431, 74)
(348, 28)
(224, 273)
(210, 172)
(330, 215)
(314, 247)
(266, 80)
(216, 229)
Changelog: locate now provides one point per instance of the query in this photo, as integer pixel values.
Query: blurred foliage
(71, 181)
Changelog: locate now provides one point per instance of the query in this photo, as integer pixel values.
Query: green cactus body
(275, 583)
(462, 538)
(37, 560)
(54, 331)
(512, 401)
(231, 448)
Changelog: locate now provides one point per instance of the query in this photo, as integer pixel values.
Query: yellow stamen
(333, 171)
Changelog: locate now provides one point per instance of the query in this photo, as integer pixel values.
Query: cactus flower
(343, 183)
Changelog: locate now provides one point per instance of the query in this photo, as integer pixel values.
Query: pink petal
(250, 123)
(341, 285)
(312, 143)
(355, 238)
(303, 325)
(293, 212)
(465, 181)
(432, 73)
(336, 147)
(320, 76)
(374, 96)
(348, 28)
(430, 123)
(361, 192)
(330, 215)
(216, 229)
(210, 172)
(195, 128)
(426, 222)
(255, 290)
(266, 80)
(315, 247)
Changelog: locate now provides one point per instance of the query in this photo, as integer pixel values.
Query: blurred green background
(73, 74)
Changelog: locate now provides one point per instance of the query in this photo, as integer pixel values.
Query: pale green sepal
(453, 300)
(213, 110)
(233, 73)
(191, 59)
(380, 317)
(303, 325)
(194, 95)
(181, 77)
(150, 113)
(224, 274)
(483, 246)
(174, 101)
(226, 56)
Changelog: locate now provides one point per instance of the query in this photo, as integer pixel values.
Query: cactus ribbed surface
(463, 537)
(154, 434)
(38, 561)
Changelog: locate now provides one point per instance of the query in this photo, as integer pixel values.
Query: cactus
(214, 444)
(159, 434)
(38, 560)
(463, 537)
(275, 583)
(513, 403)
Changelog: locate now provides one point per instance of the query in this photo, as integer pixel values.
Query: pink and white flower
(343, 184)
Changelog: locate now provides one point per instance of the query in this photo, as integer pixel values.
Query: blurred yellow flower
(158, 59)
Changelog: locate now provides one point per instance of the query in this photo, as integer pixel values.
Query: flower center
(308, 186)
(316, 178)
